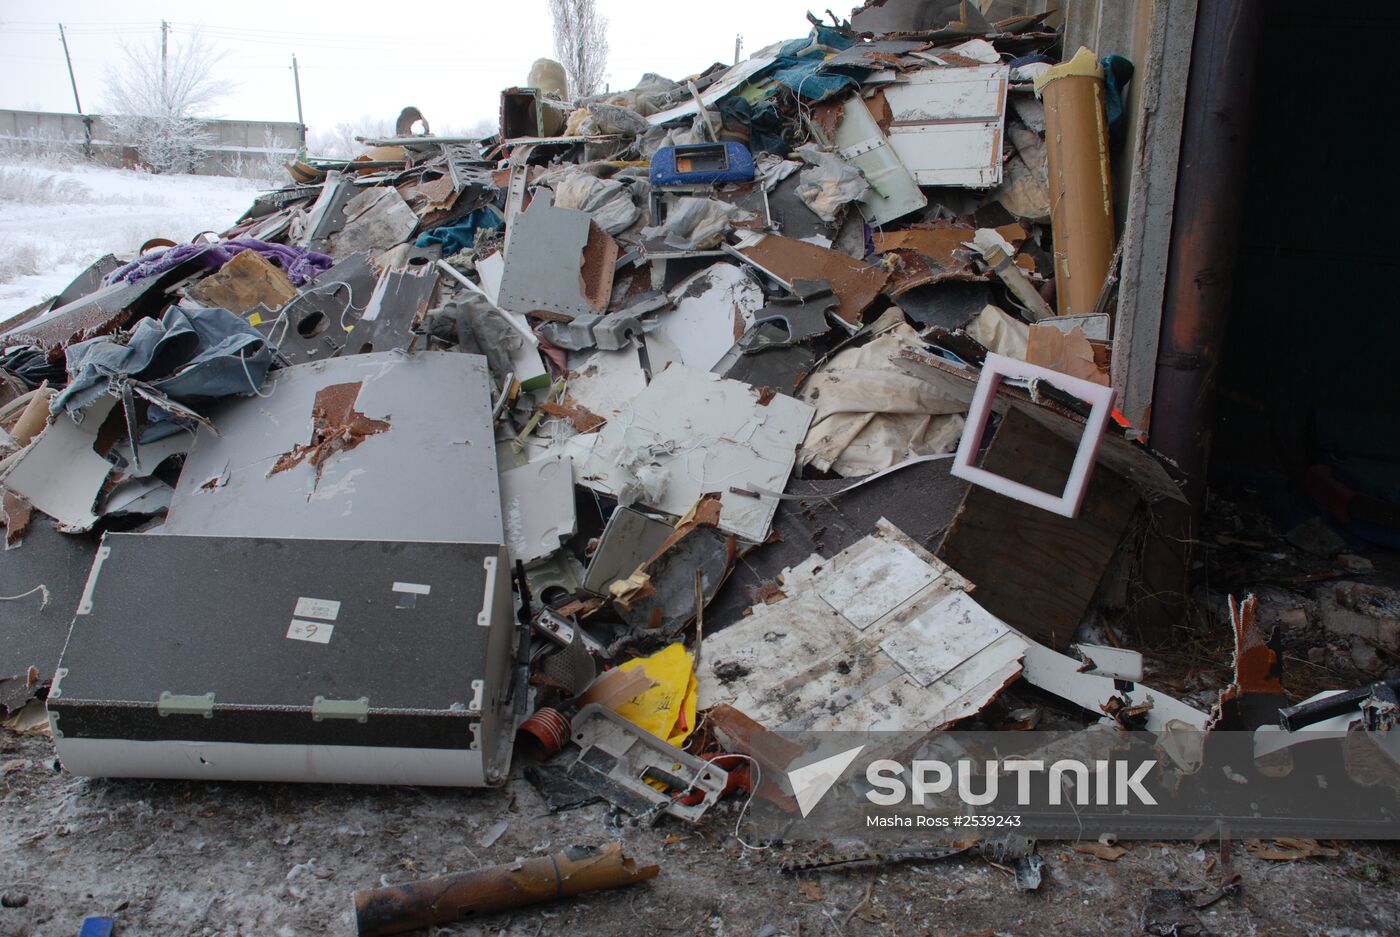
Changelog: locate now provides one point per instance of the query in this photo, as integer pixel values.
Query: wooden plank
(1155, 147)
(1035, 570)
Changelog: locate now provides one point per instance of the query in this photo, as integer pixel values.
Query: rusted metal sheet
(1253, 698)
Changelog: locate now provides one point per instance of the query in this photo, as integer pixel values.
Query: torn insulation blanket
(870, 414)
(691, 433)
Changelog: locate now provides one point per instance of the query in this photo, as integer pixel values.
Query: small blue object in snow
(701, 164)
(97, 927)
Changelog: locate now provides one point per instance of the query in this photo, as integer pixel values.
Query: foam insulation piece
(689, 433)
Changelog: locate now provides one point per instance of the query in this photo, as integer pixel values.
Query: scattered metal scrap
(846, 256)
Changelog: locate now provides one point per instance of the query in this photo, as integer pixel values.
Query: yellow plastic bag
(667, 710)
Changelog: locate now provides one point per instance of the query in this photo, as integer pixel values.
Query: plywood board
(1035, 570)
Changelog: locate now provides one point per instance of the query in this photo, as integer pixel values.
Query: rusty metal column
(1205, 234)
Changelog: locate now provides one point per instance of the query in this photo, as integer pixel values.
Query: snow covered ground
(56, 220)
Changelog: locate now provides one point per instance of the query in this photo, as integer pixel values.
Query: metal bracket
(170, 704)
(519, 181)
(618, 758)
(85, 603)
(488, 604)
(322, 708)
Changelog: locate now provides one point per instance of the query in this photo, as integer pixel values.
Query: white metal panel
(947, 124)
(370, 491)
(934, 644)
(874, 584)
(244, 761)
(893, 193)
(689, 433)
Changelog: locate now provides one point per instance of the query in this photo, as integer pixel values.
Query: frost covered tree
(157, 101)
(580, 44)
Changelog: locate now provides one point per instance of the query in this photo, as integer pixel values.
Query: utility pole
(738, 48)
(296, 80)
(164, 36)
(87, 121)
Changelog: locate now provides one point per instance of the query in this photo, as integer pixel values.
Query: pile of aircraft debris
(773, 399)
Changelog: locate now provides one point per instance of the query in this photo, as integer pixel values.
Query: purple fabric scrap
(300, 265)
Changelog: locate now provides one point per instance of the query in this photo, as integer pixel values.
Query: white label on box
(417, 588)
(317, 608)
(316, 631)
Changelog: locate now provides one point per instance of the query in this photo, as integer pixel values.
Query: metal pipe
(448, 898)
(1205, 228)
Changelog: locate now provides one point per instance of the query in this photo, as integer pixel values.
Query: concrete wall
(238, 143)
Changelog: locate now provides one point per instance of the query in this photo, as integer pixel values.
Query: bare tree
(580, 44)
(157, 101)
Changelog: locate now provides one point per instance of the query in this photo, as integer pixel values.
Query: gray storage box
(291, 660)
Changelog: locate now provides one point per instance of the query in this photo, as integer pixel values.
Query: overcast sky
(449, 58)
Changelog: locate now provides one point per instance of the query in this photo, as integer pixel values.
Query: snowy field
(55, 221)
